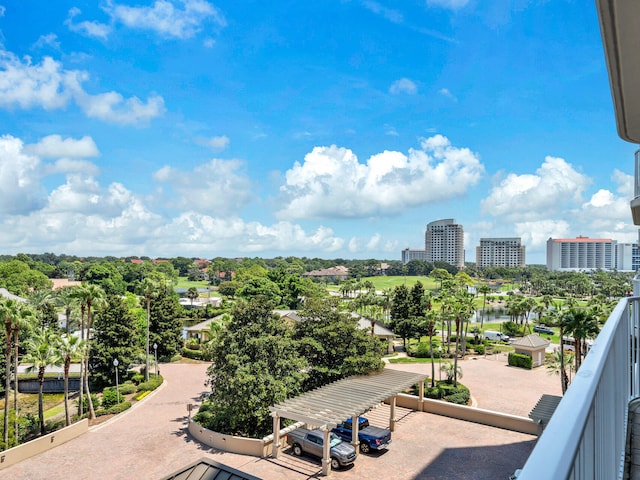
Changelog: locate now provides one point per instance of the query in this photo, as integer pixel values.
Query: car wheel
(335, 464)
(297, 450)
(364, 447)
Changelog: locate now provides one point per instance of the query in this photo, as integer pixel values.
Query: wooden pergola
(326, 407)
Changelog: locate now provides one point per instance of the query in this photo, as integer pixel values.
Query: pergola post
(275, 446)
(355, 426)
(392, 414)
(326, 457)
(421, 396)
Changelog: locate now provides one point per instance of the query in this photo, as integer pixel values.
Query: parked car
(496, 336)
(370, 437)
(543, 329)
(311, 442)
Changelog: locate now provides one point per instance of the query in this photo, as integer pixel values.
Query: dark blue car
(370, 437)
(543, 329)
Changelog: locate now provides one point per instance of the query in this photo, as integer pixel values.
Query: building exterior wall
(409, 254)
(625, 257)
(581, 253)
(500, 252)
(444, 241)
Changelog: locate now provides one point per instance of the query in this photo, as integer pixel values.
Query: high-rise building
(444, 242)
(409, 254)
(581, 253)
(500, 252)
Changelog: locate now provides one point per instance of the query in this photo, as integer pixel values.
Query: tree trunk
(7, 326)
(81, 390)
(40, 402)
(433, 363)
(92, 412)
(67, 363)
(15, 383)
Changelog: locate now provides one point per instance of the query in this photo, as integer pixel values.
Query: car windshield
(335, 440)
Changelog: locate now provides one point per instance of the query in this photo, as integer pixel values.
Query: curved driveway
(149, 441)
(146, 442)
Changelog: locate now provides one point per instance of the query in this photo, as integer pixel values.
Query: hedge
(520, 360)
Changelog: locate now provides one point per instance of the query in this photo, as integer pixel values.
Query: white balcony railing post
(586, 437)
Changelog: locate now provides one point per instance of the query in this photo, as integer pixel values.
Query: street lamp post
(155, 354)
(115, 364)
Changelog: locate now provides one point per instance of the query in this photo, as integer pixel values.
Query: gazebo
(534, 346)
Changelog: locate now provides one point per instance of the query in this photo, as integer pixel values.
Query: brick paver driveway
(149, 441)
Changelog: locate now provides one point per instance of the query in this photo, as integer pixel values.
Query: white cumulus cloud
(167, 19)
(54, 146)
(555, 185)
(403, 85)
(50, 86)
(217, 185)
(88, 28)
(331, 182)
(20, 189)
(448, 4)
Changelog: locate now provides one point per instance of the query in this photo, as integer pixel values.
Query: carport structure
(330, 405)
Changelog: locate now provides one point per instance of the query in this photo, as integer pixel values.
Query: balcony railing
(587, 435)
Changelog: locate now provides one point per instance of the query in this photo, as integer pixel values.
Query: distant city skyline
(321, 129)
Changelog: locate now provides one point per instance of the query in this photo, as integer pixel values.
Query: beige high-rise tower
(444, 241)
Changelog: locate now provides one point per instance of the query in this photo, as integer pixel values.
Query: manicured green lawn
(184, 282)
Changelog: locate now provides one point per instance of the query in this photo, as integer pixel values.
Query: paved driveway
(149, 442)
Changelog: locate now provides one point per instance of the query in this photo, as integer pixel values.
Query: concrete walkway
(149, 441)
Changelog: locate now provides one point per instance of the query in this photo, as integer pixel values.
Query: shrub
(85, 404)
(447, 392)
(422, 350)
(461, 397)
(152, 384)
(142, 394)
(120, 407)
(511, 328)
(193, 354)
(109, 397)
(520, 360)
(479, 349)
(127, 388)
(137, 378)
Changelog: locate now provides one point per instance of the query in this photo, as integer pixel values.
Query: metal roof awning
(332, 404)
(544, 409)
(207, 469)
(621, 40)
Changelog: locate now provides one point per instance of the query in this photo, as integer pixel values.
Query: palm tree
(65, 297)
(192, 294)
(25, 319)
(90, 295)
(556, 366)
(431, 330)
(40, 299)
(581, 324)
(41, 352)
(484, 289)
(147, 287)
(69, 347)
(9, 310)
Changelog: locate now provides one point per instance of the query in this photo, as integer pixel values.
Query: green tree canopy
(255, 365)
(333, 345)
(114, 337)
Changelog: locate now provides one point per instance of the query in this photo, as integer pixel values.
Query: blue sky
(320, 129)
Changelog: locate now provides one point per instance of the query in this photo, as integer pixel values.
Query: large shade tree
(115, 338)
(333, 345)
(255, 365)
